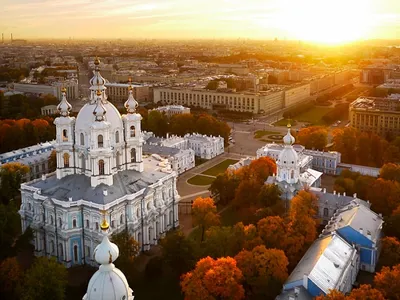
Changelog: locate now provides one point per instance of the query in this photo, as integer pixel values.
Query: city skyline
(341, 21)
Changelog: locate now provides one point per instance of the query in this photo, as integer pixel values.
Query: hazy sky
(261, 19)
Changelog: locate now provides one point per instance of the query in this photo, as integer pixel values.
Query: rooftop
(77, 187)
(360, 218)
(26, 152)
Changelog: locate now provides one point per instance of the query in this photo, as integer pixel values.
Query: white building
(99, 167)
(36, 157)
(181, 160)
(171, 110)
(240, 164)
(323, 161)
(49, 110)
(204, 146)
(293, 172)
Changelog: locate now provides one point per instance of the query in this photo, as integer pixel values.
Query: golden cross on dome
(104, 225)
(289, 125)
(130, 83)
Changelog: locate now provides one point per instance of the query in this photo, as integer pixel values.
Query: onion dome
(288, 139)
(97, 80)
(64, 107)
(131, 104)
(108, 283)
(99, 110)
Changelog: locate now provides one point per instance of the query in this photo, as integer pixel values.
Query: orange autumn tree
(272, 230)
(390, 253)
(388, 282)
(364, 292)
(11, 278)
(213, 279)
(204, 213)
(264, 270)
(314, 137)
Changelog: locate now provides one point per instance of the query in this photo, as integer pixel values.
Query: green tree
(178, 252)
(46, 279)
(10, 227)
(11, 175)
(225, 186)
(128, 248)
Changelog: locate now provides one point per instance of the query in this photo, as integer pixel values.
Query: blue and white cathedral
(100, 167)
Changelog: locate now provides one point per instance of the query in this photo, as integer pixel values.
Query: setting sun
(328, 22)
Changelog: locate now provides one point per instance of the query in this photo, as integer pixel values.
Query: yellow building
(377, 115)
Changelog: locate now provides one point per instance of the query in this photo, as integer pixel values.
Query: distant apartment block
(267, 101)
(378, 74)
(171, 110)
(118, 92)
(377, 115)
(52, 89)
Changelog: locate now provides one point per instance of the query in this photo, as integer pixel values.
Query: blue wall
(313, 289)
(354, 236)
(365, 255)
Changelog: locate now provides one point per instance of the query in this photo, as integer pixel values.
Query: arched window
(51, 220)
(75, 253)
(133, 155)
(65, 135)
(100, 141)
(60, 251)
(74, 223)
(66, 160)
(326, 212)
(59, 222)
(101, 167)
(83, 163)
(117, 137)
(121, 219)
(138, 213)
(117, 158)
(292, 174)
(29, 206)
(51, 247)
(82, 139)
(133, 131)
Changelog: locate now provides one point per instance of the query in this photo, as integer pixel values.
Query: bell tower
(133, 134)
(64, 138)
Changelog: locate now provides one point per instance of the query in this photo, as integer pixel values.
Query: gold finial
(289, 125)
(98, 93)
(96, 61)
(130, 84)
(64, 90)
(104, 224)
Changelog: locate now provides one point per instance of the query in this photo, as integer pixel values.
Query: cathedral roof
(78, 186)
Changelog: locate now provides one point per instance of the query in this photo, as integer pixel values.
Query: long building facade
(100, 169)
(377, 115)
(267, 102)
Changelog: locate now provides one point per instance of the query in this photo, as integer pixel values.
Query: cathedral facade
(100, 168)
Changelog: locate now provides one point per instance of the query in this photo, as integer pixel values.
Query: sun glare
(326, 21)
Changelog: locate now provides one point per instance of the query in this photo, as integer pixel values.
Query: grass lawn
(220, 168)
(201, 180)
(284, 122)
(314, 115)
